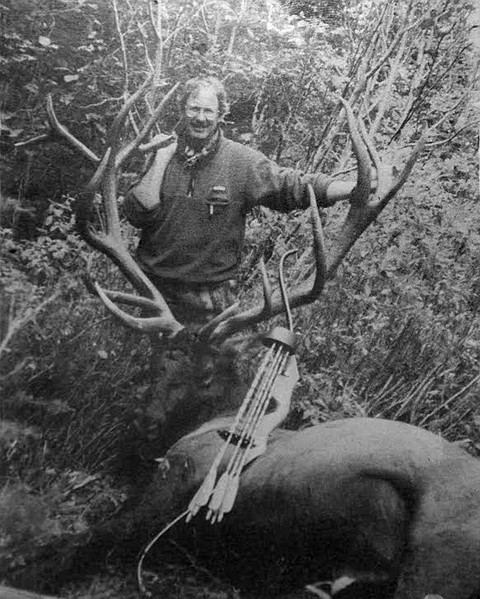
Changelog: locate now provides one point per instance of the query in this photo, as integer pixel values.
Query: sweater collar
(191, 157)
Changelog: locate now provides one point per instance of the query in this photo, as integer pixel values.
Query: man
(192, 203)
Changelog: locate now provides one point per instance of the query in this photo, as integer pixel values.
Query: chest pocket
(217, 201)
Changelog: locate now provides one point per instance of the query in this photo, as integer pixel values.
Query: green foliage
(58, 248)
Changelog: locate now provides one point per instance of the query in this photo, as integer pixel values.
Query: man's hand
(347, 190)
(339, 190)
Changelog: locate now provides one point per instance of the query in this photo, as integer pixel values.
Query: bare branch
(145, 47)
(32, 141)
(390, 50)
(123, 48)
(21, 320)
(158, 64)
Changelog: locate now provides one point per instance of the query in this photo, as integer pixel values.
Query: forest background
(395, 335)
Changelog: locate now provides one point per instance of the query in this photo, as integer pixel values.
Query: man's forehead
(205, 96)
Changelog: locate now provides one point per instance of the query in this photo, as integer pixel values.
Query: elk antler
(110, 242)
(364, 209)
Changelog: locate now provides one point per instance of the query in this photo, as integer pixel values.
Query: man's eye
(196, 111)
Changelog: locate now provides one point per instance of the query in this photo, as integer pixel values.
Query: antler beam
(110, 242)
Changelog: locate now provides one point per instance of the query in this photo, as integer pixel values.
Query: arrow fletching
(230, 496)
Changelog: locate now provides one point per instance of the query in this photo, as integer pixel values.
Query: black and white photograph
(239, 299)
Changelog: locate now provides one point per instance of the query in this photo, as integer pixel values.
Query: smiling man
(201, 115)
(191, 204)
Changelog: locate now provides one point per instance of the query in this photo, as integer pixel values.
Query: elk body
(383, 503)
(371, 504)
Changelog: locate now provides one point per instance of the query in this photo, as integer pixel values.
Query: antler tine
(65, 133)
(319, 248)
(361, 212)
(127, 151)
(267, 288)
(138, 301)
(283, 287)
(209, 330)
(153, 324)
(117, 252)
(96, 180)
(364, 174)
(164, 323)
(374, 155)
(159, 141)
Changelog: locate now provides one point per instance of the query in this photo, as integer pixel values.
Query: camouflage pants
(196, 304)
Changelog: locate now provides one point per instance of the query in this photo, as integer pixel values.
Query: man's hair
(203, 82)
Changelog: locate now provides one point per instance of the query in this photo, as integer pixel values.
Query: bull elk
(365, 503)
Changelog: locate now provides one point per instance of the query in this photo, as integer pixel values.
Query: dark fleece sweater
(196, 232)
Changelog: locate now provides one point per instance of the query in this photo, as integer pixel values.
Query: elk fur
(365, 499)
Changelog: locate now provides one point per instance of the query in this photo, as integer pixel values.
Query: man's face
(201, 115)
